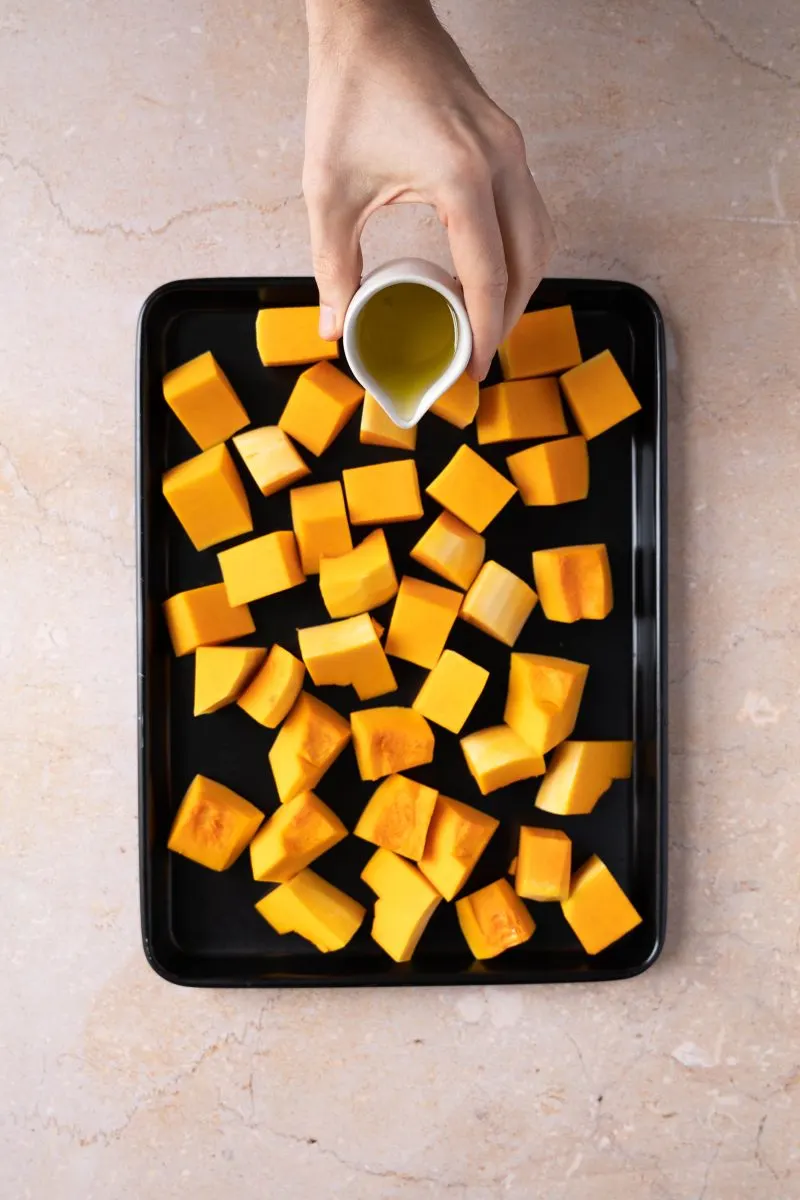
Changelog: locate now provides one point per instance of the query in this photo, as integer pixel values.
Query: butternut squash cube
(294, 836)
(313, 908)
(379, 629)
(204, 617)
(359, 580)
(383, 493)
(459, 403)
(579, 773)
(272, 692)
(541, 343)
(204, 402)
(543, 864)
(319, 520)
(451, 549)
(497, 757)
(322, 402)
(457, 837)
(597, 908)
(544, 695)
(347, 652)
(208, 498)
(261, 567)
(574, 582)
(389, 740)
(221, 673)
(310, 740)
(522, 408)
(451, 691)
(422, 618)
(406, 902)
(599, 394)
(271, 458)
(471, 489)
(552, 473)
(499, 603)
(378, 428)
(397, 816)
(288, 336)
(213, 824)
(494, 919)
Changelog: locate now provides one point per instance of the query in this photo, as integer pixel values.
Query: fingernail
(327, 323)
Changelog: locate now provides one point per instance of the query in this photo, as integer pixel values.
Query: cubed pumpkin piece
(204, 617)
(271, 458)
(544, 695)
(574, 582)
(389, 740)
(313, 908)
(347, 652)
(541, 343)
(383, 493)
(522, 408)
(204, 402)
(494, 919)
(208, 498)
(579, 773)
(451, 549)
(497, 757)
(459, 403)
(599, 394)
(499, 603)
(322, 402)
(457, 837)
(310, 740)
(552, 473)
(471, 489)
(221, 673)
(406, 902)
(543, 864)
(378, 428)
(294, 836)
(288, 336)
(423, 615)
(397, 816)
(261, 567)
(272, 692)
(213, 824)
(597, 908)
(319, 520)
(379, 629)
(359, 580)
(451, 691)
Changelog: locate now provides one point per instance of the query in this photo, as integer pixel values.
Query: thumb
(336, 251)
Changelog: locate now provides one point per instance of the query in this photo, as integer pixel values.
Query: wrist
(344, 19)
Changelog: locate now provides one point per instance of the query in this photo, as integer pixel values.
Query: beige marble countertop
(140, 143)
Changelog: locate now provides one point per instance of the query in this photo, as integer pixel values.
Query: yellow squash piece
(423, 615)
(310, 740)
(261, 567)
(543, 864)
(497, 757)
(204, 617)
(471, 489)
(499, 603)
(451, 691)
(599, 394)
(397, 816)
(451, 549)
(288, 336)
(208, 498)
(574, 582)
(383, 493)
(378, 428)
(294, 836)
(322, 402)
(213, 824)
(541, 343)
(406, 902)
(204, 402)
(553, 473)
(457, 837)
(271, 458)
(522, 408)
(459, 403)
(313, 908)
(494, 919)
(319, 520)
(544, 695)
(389, 740)
(221, 673)
(579, 773)
(597, 908)
(347, 652)
(272, 692)
(359, 580)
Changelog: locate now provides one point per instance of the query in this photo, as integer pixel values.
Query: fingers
(528, 239)
(336, 250)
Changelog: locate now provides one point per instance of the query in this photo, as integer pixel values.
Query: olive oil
(407, 338)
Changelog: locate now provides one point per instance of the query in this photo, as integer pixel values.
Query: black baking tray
(201, 928)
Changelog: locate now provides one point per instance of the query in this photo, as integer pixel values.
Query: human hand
(396, 115)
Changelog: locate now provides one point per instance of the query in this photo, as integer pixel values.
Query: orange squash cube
(499, 603)
(406, 902)
(293, 837)
(204, 617)
(497, 757)
(544, 695)
(313, 908)
(397, 816)
(457, 837)
(379, 629)
(451, 691)
(389, 740)
(552, 473)
(599, 394)
(362, 579)
(423, 615)
(204, 402)
(261, 567)
(541, 343)
(319, 520)
(574, 582)
(451, 549)
(494, 919)
(471, 489)
(347, 652)
(272, 692)
(288, 336)
(597, 908)
(322, 402)
(271, 458)
(383, 493)
(543, 864)
(522, 408)
(378, 428)
(459, 403)
(221, 673)
(208, 498)
(310, 740)
(213, 824)
(579, 773)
